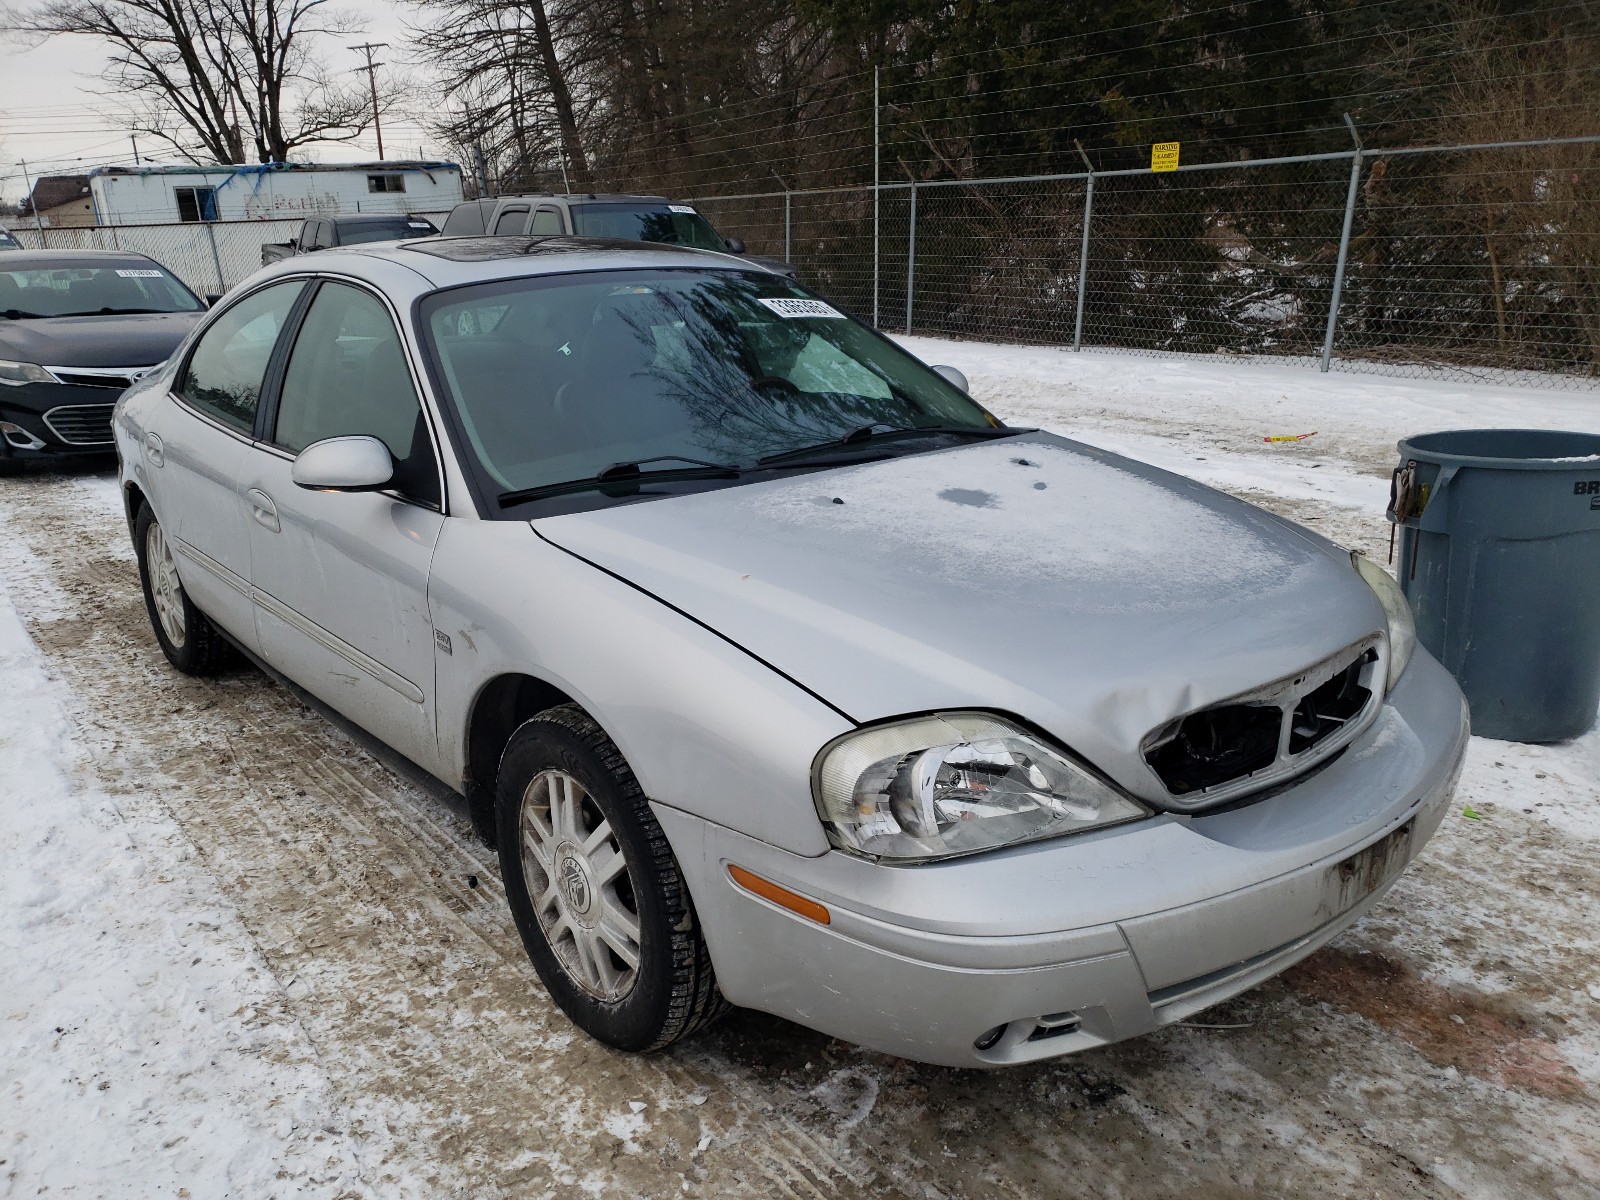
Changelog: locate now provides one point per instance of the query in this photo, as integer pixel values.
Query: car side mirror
(344, 464)
(952, 376)
(212, 298)
(734, 245)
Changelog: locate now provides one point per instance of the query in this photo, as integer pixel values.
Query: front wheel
(595, 890)
(187, 637)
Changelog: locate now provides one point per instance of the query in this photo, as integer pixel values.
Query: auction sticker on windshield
(683, 208)
(140, 274)
(802, 308)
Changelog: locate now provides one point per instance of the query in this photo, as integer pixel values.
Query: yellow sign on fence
(1164, 156)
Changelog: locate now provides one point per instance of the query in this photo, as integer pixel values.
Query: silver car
(782, 673)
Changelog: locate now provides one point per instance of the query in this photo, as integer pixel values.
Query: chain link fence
(210, 256)
(1474, 263)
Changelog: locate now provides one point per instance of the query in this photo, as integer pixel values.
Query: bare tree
(218, 80)
(513, 57)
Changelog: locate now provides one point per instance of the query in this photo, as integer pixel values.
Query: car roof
(17, 260)
(451, 261)
(373, 218)
(579, 197)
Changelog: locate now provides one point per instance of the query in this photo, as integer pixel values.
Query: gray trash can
(1499, 554)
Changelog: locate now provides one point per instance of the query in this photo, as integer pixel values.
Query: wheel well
(132, 498)
(503, 704)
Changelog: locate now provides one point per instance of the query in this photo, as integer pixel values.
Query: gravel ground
(370, 1026)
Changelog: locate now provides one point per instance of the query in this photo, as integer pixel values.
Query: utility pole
(135, 142)
(32, 200)
(371, 69)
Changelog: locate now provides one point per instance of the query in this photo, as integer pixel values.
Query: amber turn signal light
(780, 896)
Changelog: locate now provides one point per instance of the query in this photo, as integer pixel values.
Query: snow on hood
(1091, 595)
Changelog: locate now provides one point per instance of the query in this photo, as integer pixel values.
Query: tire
(187, 637)
(560, 779)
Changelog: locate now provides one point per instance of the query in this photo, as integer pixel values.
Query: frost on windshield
(1043, 522)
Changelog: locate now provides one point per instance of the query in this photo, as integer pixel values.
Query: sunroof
(486, 248)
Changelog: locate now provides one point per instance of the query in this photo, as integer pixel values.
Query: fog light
(19, 437)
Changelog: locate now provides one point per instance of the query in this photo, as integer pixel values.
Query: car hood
(780, 265)
(1093, 596)
(135, 340)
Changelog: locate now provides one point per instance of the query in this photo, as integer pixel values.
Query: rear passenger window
(229, 361)
(511, 221)
(347, 375)
(546, 220)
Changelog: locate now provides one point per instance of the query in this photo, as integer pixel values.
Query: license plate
(1365, 871)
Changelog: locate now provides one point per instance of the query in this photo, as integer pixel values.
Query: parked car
(7, 242)
(629, 218)
(76, 328)
(355, 229)
(782, 672)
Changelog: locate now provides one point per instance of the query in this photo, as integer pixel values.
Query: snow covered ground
(244, 957)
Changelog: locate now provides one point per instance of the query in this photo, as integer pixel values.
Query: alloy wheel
(579, 883)
(165, 589)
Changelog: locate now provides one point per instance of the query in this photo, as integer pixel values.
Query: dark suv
(629, 218)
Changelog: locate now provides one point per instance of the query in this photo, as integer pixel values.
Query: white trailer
(151, 194)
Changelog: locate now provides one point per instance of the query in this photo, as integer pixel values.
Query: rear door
(195, 450)
(340, 579)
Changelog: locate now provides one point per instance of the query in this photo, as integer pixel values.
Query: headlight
(18, 373)
(1402, 625)
(955, 783)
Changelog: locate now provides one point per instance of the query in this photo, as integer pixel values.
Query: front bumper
(51, 420)
(1066, 945)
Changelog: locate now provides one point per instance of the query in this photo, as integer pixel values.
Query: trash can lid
(1505, 449)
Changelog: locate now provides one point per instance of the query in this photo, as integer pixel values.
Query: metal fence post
(788, 227)
(216, 259)
(875, 193)
(1083, 261)
(1344, 248)
(911, 258)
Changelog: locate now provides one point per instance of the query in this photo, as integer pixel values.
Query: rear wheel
(595, 890)
(187, 637)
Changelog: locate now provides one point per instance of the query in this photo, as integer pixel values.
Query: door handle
(263, 510)
(153, 450)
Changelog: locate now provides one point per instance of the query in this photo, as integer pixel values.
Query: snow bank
(144, 1050)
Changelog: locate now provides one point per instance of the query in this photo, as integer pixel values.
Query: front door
(340, 579)
(196, 449)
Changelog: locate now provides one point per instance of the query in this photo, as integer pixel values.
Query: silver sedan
(782, 673)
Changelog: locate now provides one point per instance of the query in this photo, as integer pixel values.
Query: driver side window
(347, 374)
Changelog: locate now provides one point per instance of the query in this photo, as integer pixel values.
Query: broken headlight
(1402, 625)
(955, 783)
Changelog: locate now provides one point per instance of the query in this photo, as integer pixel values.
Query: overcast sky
(52, 114)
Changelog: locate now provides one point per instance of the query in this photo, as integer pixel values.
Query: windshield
(671, 224)
(385, 231)
(92, 290)
(555, 378)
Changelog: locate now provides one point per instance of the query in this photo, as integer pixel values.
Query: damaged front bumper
(1060, 946)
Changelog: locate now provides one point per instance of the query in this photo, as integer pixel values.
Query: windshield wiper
(622, 473)
(17, 314)
(880, 433)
